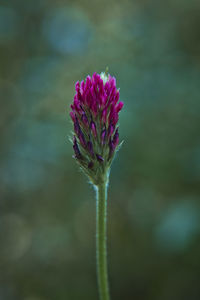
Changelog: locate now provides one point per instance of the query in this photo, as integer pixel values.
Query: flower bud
(95, 113)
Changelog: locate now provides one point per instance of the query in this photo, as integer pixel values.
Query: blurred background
(47, 208)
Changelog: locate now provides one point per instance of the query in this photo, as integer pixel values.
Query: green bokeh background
(47, 208)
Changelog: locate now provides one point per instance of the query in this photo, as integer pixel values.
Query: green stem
(101, 249)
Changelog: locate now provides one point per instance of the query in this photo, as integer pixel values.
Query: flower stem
(101, 249)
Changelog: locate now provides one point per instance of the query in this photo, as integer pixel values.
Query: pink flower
(95, 113)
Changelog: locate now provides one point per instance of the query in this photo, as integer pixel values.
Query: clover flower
(95, 114)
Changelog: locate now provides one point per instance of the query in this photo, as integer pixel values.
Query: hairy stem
(101, 233)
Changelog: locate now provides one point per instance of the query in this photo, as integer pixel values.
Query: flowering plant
(95, 114)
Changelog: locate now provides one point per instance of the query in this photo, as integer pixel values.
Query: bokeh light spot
(68, 31)
(178, 227)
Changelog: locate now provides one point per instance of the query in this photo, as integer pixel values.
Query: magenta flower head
(95, 114)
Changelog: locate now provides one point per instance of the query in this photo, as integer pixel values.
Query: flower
(95, 114)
